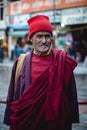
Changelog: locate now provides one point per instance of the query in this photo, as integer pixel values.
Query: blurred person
(45, 95)
(85, 61)
(13, 45)
(69, 48)
(1, 50)
(5, 49)
(82, 50)
(19, 47)
(78, 57)
(27, 45)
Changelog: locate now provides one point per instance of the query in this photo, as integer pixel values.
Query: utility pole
(54, 10)
(5, 17)
(1, 9)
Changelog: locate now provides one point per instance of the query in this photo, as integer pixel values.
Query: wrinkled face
(41, 41)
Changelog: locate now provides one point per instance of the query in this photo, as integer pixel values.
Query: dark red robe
(45, 104)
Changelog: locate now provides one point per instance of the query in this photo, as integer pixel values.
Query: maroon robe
(45, 103)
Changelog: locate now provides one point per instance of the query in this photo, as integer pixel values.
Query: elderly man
(45, 96)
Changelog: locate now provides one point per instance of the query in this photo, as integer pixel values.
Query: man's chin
(43, 50)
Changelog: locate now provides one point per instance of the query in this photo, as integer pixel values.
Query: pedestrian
(45, 96)
(1, 51)
(28, 44)
(19, 47)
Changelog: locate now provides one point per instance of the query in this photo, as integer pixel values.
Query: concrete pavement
(81, 69)
(6, 62)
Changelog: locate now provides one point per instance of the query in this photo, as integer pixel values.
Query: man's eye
(47, 36)
(39, 36)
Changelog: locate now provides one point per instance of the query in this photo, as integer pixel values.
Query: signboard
(74, 16)
(30, 6)
(19, 21)
(54, 16)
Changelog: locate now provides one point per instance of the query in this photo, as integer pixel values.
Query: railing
(81, 104)
(82, 107)
(3, 102)
(84, 102)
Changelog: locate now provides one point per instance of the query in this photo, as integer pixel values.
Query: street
(81, 82)
(4, 83)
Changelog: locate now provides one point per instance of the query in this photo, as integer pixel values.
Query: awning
(18, 33)
(18, 27)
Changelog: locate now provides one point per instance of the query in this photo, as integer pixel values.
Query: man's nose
(43, 39)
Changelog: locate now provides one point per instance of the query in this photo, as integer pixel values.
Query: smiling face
(41, 42)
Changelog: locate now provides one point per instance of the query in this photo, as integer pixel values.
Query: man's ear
(30, 39)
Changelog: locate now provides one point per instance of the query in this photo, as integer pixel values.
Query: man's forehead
(42, 33)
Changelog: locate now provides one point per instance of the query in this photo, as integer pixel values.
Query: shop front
(75, 21)
(3, 38)
(18, 29)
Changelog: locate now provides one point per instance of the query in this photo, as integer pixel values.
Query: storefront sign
(29, 6)
(54, 16)
(74, 16)
(19, 21)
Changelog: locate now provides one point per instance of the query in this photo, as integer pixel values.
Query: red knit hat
(39, 23)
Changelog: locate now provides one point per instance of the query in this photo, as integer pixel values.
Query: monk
(45, 95)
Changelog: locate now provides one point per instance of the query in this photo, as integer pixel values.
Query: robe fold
(45, 105)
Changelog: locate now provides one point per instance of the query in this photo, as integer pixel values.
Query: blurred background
(68, 18)
(69, 21)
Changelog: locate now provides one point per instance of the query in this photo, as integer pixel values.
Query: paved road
(4, 82)
(81, 81)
